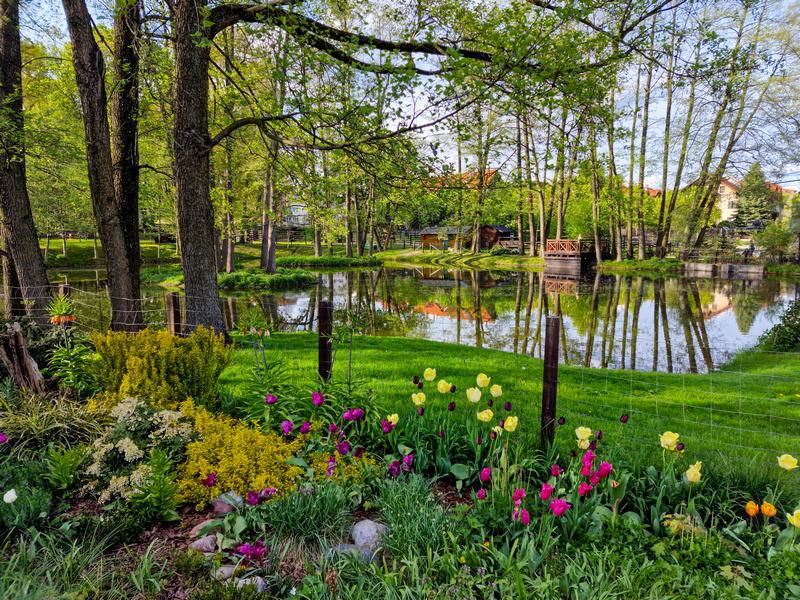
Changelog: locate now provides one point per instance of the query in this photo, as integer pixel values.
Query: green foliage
(163, 368)
(32, 422)
(150, 576)
(326, 261)
(247, 279)
(156, 497)
(34, 499)
(501, 251)
(785, 336)
(75, 367)
(227, 592)
(757, 202)
(63, 466)
(312, 515)
(416, 523)
(774, 241)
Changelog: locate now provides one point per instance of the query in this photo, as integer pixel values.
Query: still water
(669, 324)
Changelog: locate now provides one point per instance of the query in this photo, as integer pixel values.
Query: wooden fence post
(173, 307)
(325, 339)
(65, 290)
(550, 380)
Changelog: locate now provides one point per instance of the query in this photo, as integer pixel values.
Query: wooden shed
(493, 235)
(444, 238)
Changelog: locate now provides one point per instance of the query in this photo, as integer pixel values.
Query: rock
(367, 535)
(223, 573)
(205, 544)
(258, 582)
(221, 507)
(232, 498)
(195, 532)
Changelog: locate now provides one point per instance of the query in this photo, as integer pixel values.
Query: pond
(668, 324)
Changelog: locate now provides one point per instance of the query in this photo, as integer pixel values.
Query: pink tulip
(559, 506)
(547, 491)
(584, 487)
(605, 469)
(595, 478)
(556, 471)
(519, 495)
(481, 494)
(586, 470)
(526, 518)
(486, 474)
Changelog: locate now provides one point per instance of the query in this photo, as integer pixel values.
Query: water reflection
(618, 322)
(673, 324)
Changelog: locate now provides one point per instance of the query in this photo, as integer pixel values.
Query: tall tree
(757, 201)
(23, 265)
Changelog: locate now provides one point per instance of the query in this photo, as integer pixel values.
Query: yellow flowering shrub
(347, 469)
(243, 458)
(162, 367)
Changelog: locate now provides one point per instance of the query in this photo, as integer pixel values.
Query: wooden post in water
(550, 380)
(325, 339)
(173, 307)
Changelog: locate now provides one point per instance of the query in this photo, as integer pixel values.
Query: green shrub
(63, 466)
(163, 368)
(785, 336)
(257, 279)
(500, 251)
(32, 422)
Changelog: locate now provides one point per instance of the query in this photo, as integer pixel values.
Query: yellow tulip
(443, 386)
(429, 374)
(751, 508)
(510, 424)
(669, 440)
(485, 415)
(419, 399)
(584, 444)
(483, 380)
(787, 461)
(393, 419)
(583, 433)
(794, 519)
(693, 475)
(498, 430)
(496, 391)
(473, 395)
(697, 466)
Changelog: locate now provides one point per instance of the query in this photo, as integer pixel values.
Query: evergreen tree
(757, 202)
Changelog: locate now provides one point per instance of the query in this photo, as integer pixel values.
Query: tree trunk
(642, 155)
(19, 233)
(125, 143)
(629, 252)
(122, 267)
(268, 214)
(195, 211)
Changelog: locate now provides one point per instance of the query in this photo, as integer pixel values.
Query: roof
(441, 229)
(461, 180)
(499, 228)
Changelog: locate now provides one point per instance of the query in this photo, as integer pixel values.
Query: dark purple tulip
(490, 403)
(593, 446)
(572, 453)
(679, 447)
(441, 433)
(453, 389)
(358, 452)
(416, 379)
(623, 418)
(420, 385)
(502, 423)
(508, 406)
(479, 441)
(451, 407)
(562, 420)
(493, 435)
(598, 435)
(421, 411)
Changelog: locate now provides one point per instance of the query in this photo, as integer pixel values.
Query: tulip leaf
(239, 526)
(460, 471)
(297, 462)
(784, 538)
(633, 516)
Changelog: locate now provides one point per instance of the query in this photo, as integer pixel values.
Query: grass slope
(745, 415)
(462, 259)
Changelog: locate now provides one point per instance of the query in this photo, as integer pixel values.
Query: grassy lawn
(463, 259)
(744, 416)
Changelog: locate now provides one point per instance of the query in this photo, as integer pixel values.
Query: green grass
(243, 279)
(651, 264)
(461, 259)
(80, 253)
(783, 270)
(744, 415)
